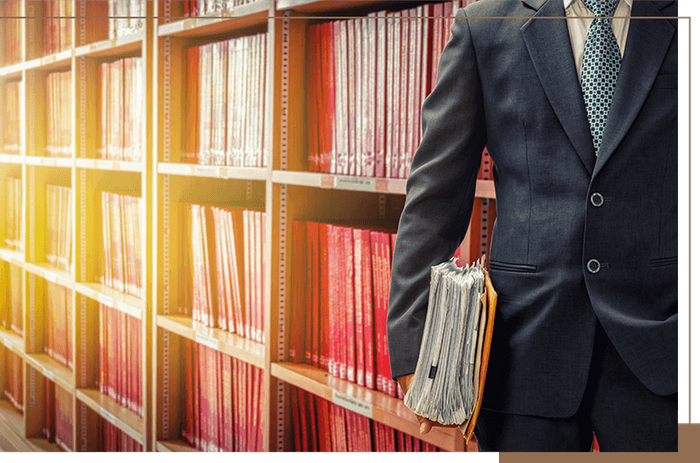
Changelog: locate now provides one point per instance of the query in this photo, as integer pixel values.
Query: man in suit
(584, 250)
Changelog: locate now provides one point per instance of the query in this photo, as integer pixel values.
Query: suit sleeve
(439, 193)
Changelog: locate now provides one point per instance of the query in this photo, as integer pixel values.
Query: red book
(332, 97)
(379, 102)
(314, 230)
(353, 57)
(359, 307)
(296, 420)
(390, 133)
(297, 320)
(187, 430)
(237, 244)
(413, 79)
(308, 340)
(324, 430)
(349, 271)
(313, 90)
(338, 302)
(248, 265)
(259, 229)
(333, 298)
(325, 231)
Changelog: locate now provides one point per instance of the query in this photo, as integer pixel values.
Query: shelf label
(352, 404)
(106, 165)
(206, 340)
(108, 416)
(204, 171)
(327, 181)
(48, 374)
(355, 183)
(101, 298)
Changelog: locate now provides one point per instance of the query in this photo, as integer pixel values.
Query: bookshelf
(277, 184)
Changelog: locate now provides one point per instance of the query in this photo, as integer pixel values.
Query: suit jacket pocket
(508, 267)
(663, 262)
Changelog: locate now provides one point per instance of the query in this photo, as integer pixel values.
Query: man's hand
(425, 424)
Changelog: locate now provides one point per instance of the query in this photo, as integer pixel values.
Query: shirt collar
(567, 3)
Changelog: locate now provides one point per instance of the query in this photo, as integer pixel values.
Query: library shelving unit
(72, 38)
(162, 179)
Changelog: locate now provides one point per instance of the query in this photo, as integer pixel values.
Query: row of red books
(222, 268)
(112, 439)
(58, 22)
(12, 43)
(11, 309)
(13, 213)
(366, 81)
(59, 323)
(120, 351)
(58, 114)
(122, 94)
(11, 130)
(59, 222)
(227, 82)
(126, 17)
(58, 424)
(222, 401)
(121, 242)
(322, 426)
(211, 7)
(340, 297)
(13, 380)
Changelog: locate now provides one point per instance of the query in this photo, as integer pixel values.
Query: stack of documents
(445, 386)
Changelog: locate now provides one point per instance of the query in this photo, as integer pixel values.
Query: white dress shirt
(579, 18)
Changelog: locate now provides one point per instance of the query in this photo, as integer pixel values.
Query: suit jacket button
(597, 199)
(593, 266)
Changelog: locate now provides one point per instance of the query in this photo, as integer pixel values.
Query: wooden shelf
(52, 370)
(103, 164)
(328, 6)
(131, 305)
(224, 172)
(11, 159)
(373, 404)
(175, 447)
(51, 62)
(12, 341)
(121, 417)
(13, 257)
(13, 70)
(11, 418)
(230, 344)
(48, 161)
(42, 445)
(238, 18)
(112, 47)
(53, 274)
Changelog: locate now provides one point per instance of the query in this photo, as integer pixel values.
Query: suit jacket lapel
(647, 43)
(549, 46)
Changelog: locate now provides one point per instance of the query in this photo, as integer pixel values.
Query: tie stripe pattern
(601, 65)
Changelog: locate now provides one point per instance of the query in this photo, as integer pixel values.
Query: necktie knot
(601, 8)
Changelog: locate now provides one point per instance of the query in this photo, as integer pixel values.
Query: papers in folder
(448, 383)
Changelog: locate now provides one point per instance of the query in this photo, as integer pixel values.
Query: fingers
(425, 425)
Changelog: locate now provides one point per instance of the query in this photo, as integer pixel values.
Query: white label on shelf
(8, 343)
(48, 276)
(108, 416)
(355, 183)
(206, 340)
(352, 404)
(48, 374)
(104, 165)
(105, 300)
(204, 171)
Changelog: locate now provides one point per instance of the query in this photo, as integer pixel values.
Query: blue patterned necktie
(601, 65)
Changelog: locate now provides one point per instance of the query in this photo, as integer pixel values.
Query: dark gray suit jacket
(578, 238)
